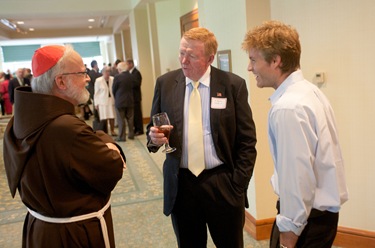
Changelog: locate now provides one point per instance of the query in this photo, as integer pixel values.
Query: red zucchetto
(45, 58)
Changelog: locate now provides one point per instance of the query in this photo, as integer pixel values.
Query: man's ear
(211, 58)
(60, 83)
(276, 61)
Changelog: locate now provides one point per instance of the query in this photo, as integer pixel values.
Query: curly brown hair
(275, 38)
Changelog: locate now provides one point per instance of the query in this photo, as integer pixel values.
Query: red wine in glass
(161, 122)
(165, 130)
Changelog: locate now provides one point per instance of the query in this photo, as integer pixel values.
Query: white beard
(80, 96)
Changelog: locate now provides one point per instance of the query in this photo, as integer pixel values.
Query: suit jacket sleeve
(245, 140)
(115, 86)
(154, 110)
(11, 91)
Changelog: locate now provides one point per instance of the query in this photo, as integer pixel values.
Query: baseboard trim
(346, 237)
(258, 229)
(351, 237)
(146, 120)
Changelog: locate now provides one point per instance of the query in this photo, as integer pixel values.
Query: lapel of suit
(178, 103)
(217, 89)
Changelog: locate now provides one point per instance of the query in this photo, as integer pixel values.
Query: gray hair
(122, 66)
(45, 82)
(106, 68)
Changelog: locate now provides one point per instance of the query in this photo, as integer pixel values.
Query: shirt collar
(131, 70)
(290, 80)
(205, 79)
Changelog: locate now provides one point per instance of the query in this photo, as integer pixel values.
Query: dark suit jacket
(13, 83)
(233, 129)
(93, 76)
(123, 86)
(137, 88)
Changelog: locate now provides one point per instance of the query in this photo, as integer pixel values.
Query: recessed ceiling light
(91, 20)
(90, 27)
(31, 29)
(20, 22)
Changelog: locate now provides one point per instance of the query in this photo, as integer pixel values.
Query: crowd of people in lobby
(126, 112)
(8, 82)
(207, 175)
(115, 97)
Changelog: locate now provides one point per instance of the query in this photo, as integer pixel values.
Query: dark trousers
(138, 118)
(2, 106)
(320, 231)
(125, 115)
(209, 200)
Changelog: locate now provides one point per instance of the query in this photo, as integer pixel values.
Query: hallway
(136, 205)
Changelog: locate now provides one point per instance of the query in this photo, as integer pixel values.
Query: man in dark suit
(93, 74)
(138, 118)
(209, 189)
(17, 81)
(123, 85)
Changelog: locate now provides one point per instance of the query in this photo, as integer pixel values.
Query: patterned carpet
(136, 205)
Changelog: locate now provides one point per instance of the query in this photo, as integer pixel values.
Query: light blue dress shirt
(309, 170)
(210, 157)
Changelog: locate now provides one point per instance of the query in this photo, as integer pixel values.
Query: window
(87, 49)
(19, 53)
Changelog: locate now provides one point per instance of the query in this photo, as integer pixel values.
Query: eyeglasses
(84, 73)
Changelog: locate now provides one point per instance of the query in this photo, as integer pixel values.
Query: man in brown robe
(62, 169)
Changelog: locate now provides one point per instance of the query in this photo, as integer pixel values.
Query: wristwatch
(283, 246)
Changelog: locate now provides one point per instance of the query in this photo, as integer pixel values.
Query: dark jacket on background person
(13, 83)
(137, 89)
(123, 86)
(93, 76)
(61, 169)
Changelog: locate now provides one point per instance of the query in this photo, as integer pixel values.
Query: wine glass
(161, 122)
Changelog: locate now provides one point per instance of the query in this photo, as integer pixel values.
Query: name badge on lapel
(218, 103)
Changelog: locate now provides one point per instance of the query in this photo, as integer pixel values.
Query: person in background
(138, 118)
(2, 79)
(123, 86)
(87, 69)
(114, 70)
(64, 171)
(27, 74)
(93, 74)
(206, 178)
(309, 176)
(17, 81)
(7, 105)
(104, 100)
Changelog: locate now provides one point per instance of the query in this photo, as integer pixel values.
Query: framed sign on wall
(224, 60)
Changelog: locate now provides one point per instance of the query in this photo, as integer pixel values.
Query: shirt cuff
(287, 225)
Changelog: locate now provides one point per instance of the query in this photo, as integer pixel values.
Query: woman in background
(5, 95)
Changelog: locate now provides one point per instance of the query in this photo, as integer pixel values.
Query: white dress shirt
(309, 170)
(210, 157)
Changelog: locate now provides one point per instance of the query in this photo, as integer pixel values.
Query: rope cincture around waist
(99, 214)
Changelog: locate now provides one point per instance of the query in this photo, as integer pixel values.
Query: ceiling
(57, 19)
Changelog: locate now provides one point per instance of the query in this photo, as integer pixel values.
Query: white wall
(187, 5)
(169, 34)
(338, 38)
(142, 54)
(227, 20)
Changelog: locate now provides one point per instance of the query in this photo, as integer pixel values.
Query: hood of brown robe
(32, 112)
